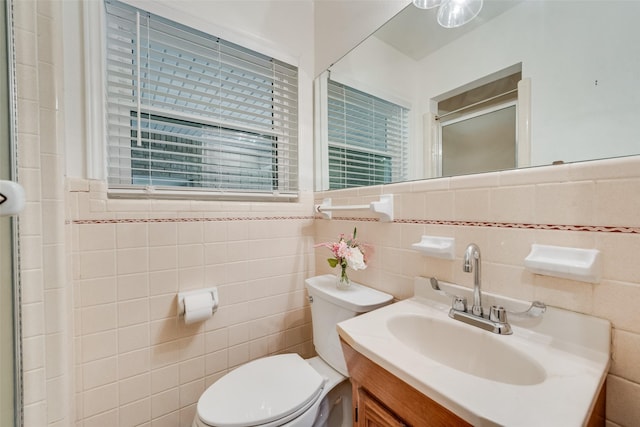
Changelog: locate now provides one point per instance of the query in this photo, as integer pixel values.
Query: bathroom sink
(549, 371)
(466, 349)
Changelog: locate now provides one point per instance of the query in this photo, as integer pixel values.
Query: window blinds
(189, 110)
(368, 138)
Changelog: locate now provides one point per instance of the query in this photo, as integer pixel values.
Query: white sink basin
(466, 349)
(548, 372)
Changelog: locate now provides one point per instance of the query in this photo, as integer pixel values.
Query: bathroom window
(190, 111)
(172, 153)
(367, 138)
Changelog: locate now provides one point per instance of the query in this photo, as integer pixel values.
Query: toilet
(285, 389)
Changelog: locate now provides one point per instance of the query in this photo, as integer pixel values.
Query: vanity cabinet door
(372, 414)
(382, 399)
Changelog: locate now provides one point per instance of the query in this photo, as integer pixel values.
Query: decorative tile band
(587, 228)
(156, 220)
(559, 227)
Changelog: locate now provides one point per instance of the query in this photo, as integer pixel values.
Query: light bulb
(454, 13)
(426, 4)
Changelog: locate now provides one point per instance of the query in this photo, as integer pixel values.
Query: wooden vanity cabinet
(380, 399)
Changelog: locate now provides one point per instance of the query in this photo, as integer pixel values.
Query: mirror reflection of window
(478, 127)
(367, 138)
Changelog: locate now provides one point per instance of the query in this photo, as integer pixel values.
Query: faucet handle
(459, 303)
(497, 313)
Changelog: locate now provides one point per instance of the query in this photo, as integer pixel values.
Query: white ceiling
(416, 32)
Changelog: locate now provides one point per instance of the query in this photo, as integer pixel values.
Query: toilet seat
(267, 392)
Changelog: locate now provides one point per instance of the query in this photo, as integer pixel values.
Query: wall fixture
(384, 208)
(197, 305)
(584, 265)
(452, 13)
(437, 247)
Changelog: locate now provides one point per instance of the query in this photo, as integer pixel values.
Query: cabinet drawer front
(373, 414)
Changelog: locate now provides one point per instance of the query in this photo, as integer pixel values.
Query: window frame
(94, 16)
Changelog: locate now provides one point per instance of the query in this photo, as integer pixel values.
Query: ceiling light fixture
(452, 13)
(427, 4)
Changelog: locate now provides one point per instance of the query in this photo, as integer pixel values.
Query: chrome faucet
(472, 264)
(496, 321)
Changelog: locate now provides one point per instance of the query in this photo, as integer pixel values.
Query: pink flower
(347, 253)
(341, 249)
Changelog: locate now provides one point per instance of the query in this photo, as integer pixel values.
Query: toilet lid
(260, 392)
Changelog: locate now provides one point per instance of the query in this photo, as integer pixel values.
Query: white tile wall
(102, 341)
(603, 193)
(136, 352)
(46, 296)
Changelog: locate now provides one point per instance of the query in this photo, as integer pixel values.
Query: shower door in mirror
(484, 141)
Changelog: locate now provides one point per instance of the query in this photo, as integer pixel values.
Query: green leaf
(332, 262)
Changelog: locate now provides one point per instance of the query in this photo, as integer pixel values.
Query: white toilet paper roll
(198, 307)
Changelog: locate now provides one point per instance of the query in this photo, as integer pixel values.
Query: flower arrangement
(347, 253)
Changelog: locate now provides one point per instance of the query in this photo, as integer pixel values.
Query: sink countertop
(572, 348)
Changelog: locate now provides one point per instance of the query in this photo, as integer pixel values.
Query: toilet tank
(329, 306)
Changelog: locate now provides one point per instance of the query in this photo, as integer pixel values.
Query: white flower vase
(342, 280)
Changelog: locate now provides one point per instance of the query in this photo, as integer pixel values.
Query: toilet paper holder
(182, 295)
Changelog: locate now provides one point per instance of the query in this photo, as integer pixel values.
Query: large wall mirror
(559, 78)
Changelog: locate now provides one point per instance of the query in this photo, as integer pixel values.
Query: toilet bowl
(287, 390)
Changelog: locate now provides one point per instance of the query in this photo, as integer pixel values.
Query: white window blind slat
(187, 109)
(368, 138)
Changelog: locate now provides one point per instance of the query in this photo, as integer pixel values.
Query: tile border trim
(514, 225)
(191, 219)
